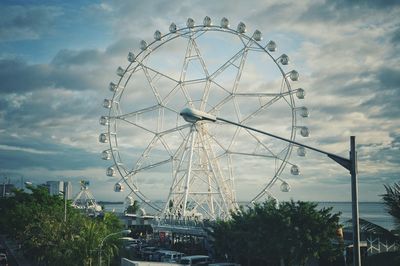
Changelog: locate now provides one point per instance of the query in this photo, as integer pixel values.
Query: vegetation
(269, 234)
(392, 201)
(134, 208)
(36, 221)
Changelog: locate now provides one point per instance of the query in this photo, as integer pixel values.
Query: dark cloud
(386, 93)
(396, 37)
(17, 76)
(123, 46)
(345, 11)
(50, 108)
(31, 153)
(70, 70)
(26, 22)
(77, 58)
(372, 4)
(382, 153)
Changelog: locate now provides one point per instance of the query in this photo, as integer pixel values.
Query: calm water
(374, 212)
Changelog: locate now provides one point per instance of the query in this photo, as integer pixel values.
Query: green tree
(392, 201)
(134, 208)
(267, 234)
(37, 221)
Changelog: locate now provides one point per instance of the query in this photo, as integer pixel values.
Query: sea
(374, 212)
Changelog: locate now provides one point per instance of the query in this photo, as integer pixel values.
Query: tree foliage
(134, 208)
(36, 220)
(392, 201)
(268, 234)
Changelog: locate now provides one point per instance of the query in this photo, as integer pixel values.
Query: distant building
(6, 190)
(55, 187)
(68, 189)
(59, 187)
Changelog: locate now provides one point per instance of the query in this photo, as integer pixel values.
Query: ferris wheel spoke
(173, 130)
(251, 154)
(171, 95)
(259, 142)
(158, 73)
(219, 105)
(137, 125)
(230, 62)
(150, 166)
(200, 58)
(240, 70)
(216, 170)
(206, 91)
(138, 112)
(152, 85)
(261, 108)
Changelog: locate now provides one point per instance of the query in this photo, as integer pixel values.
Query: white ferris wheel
(199, 168)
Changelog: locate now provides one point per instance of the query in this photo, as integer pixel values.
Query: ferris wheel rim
(168, 38)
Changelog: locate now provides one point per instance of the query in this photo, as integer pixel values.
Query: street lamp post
(65, 205)
(128, 231)
(192, 116)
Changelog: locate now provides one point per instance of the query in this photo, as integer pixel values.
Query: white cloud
(344, 52)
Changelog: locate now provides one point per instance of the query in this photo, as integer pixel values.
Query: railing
(186, 226)
(376, 245)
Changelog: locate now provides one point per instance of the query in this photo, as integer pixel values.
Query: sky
(58, 57)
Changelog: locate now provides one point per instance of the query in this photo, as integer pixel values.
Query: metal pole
(4, 187)
(354, 201)
(65, 206)
(100, 253)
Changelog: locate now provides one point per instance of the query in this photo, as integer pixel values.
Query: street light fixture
(128, 231)
(192, 116)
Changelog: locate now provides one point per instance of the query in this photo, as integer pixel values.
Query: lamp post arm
(107, 236)
(346, 163)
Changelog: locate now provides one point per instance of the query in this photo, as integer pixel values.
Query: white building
(60, 187)
(68, 189)
(55, 187)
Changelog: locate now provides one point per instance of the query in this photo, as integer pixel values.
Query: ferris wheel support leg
(189, 171)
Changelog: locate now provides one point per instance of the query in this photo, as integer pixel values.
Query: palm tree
(392, 202)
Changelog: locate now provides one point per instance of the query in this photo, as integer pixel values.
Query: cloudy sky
(57, 58)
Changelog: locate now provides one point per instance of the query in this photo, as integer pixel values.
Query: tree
(392, 201)
(134, 208)
(267, 234)
(36, 220)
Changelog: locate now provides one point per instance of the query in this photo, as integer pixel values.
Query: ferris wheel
(199, 169)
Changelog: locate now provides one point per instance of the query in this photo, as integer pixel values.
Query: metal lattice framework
(217, 70)
(85, 200)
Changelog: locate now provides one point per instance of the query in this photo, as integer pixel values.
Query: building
(68, 189)
(55, 187)
(60, 187)
(6, 190)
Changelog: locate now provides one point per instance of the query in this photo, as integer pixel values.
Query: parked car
(147, 253)
(168, 256)
(132, 244)
(195, 260)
